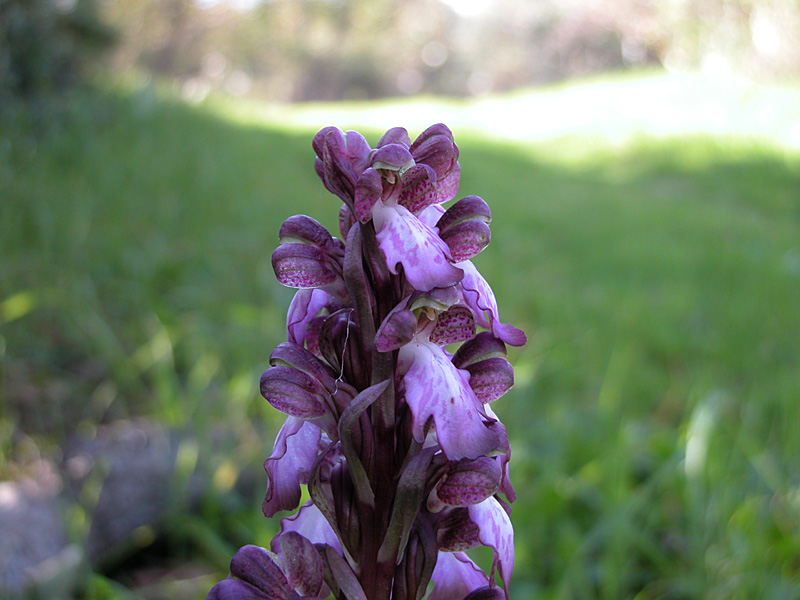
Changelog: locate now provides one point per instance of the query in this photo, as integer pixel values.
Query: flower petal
(447, 186)
(456, 532)
(467, 209)
(396, 135)
(357, 150)
(397, 329)
(435, 389)
(303, 266)
(302, 563)
(486, 593)
(480, 298)
(419, 188)
(437, 299)
(391, 159)
(311, 524)
(287, 354)
(294, 392)
(369, 188)
(341, 158)
(293, 455)
(469, 482)
(504, 457)
(435, 147)
(405, 240)
(455, 576)
(482, 346)
(497, 533)
(431, 215)
(346, 220)
(467, 239)
(302, 229)
(235, 589)
(456, 324)
(257, 567)
(465, 227)
(491, 378)
(305, 305)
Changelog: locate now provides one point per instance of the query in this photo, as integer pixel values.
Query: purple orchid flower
(496, 532)
(257, 574)
(480, 298)
(389, 429)
(437, 390)
(401, 182)
(306, 305)
(311, 524)
(293, 456)
(455, 576)
(407, 241)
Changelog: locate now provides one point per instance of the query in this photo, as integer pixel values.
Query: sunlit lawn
(654, 423)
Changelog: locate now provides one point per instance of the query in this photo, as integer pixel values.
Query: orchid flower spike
(390, 432)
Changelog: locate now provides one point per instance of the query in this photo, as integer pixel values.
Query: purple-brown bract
(405, 462)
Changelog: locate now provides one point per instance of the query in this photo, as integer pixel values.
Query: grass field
(654, 424)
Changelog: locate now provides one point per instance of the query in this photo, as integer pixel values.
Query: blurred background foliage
(46, 46)
(331, 49)
(299, 50)
(646, 235)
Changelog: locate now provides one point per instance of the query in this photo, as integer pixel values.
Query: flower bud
(414, 571)
(345, 504)
(340, 345)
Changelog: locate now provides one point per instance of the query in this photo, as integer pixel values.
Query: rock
(115, 488)
(36, 559)
(123, 476)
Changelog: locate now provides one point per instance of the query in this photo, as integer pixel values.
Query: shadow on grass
(653, 421)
